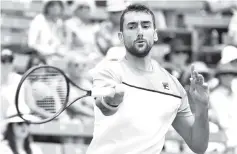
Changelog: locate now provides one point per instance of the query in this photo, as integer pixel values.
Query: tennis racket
(47, 89)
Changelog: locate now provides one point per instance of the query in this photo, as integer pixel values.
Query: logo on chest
(166, 85)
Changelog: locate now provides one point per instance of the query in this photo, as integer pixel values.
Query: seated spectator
(81, 29)
(107, 36)
(9, 82)
(82, 110)
(177, 60)
(47, 32)
(223, 101)
(16, 136)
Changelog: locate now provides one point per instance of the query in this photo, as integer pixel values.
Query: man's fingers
(200, 79)
(192, 71)
(192, 85)
(118, 96)
(119, 93)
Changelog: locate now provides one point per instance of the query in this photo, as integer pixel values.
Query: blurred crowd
(64, 36)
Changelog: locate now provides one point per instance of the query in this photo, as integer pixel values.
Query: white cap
(228, 54)
(12, 115)
(6, 52)
(77, 3)
(116, 5)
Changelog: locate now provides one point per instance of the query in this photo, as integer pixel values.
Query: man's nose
(140, 32)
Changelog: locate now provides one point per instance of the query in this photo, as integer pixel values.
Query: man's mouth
(140, 41)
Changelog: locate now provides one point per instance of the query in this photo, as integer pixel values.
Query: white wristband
(108, 106)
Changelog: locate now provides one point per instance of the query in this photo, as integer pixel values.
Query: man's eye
(146, 26)
(131, 26)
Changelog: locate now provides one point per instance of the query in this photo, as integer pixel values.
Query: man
(146, 100)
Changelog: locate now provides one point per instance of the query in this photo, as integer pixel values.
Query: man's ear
(156, 35)
(120, 36)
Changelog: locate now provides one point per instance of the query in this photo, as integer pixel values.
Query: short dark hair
(50, 4)
(136, 8)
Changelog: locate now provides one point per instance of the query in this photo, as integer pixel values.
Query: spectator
(177, 60)
(107, 36)
(17, 138)
(81, 31)
(223, 101)
(82, 110)
(47, 32)
(9, 81)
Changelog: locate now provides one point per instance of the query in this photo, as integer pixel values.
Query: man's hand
(117, 98)
(109, 104)
(199, 90)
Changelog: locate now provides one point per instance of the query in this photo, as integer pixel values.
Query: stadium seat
(50, 148)
(26, 8)
(207, 21)
(14, 22)
(8, 37)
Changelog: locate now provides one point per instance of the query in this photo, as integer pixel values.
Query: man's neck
(141, 63)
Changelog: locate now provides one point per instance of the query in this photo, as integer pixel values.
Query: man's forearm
(200, 129)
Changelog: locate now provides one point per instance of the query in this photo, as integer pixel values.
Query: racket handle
(105, 91)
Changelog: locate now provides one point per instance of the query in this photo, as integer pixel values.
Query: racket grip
(101, 92)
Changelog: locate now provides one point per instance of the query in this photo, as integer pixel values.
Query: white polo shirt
(152, 101)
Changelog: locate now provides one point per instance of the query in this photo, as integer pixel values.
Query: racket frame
(25, 75)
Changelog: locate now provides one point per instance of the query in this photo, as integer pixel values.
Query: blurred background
(75, 35)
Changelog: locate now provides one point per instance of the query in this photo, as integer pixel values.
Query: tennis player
(147, 99)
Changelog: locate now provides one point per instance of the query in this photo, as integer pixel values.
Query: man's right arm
(105, 77)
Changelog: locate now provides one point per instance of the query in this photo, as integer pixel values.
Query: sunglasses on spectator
(7, 59)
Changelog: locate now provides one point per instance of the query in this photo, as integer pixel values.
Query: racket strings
(49, 89)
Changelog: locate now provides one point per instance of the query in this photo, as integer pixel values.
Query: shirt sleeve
(106, 74)
(184, 109)
(34, 30)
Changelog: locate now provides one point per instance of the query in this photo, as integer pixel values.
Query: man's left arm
(194, 127)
